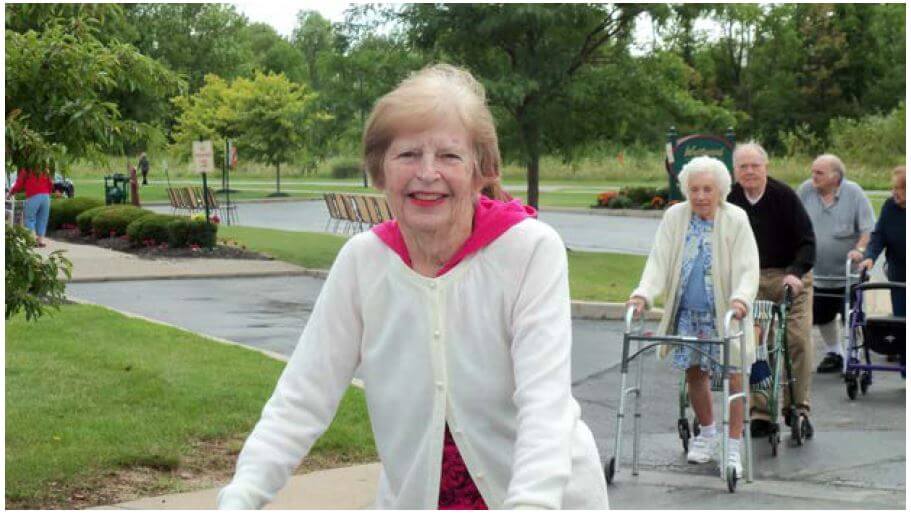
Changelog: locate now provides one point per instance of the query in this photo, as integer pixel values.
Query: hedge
(114, 220)
(150, 229)
(346, 168)
(184, 232)
(65, 210)
(84, 219)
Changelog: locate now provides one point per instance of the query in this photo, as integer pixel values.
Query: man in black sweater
(787, 250)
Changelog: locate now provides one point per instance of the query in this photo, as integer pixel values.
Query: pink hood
(491, 219)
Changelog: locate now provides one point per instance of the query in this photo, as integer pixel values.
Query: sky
(282, 16)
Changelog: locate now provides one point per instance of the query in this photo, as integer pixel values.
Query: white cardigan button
(436, 334)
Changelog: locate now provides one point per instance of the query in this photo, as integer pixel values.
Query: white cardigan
(484, 347)
(735, 269)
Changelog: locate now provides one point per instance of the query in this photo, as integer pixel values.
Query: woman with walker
(704, 263)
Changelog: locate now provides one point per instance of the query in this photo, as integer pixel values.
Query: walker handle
(630, 315)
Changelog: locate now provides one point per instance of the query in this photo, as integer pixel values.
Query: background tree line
(561, 79)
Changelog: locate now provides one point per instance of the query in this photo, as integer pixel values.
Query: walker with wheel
(645, 341)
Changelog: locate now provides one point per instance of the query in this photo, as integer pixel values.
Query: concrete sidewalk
(94, 264)
(348, 488)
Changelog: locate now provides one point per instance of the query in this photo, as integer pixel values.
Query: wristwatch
(860, 249)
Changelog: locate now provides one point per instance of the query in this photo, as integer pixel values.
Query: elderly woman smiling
(704, 262)
(456, 316)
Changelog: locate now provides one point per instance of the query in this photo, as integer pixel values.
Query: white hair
(750, 146)
(835, 162)
(704, 164)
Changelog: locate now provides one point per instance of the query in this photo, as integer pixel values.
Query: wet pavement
(580, 231)
(856, 460)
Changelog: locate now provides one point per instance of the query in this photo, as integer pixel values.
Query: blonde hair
(423, 99)
(705, 164)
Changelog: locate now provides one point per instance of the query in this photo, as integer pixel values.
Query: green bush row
(65, 210)
(176, 231)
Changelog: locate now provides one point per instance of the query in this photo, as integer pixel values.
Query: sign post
(204, 163)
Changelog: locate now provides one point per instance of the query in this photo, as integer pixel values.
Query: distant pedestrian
(144, 168)
(37, 187)
(889, 235)
(842, 219)
(456, 315)
(704, 262)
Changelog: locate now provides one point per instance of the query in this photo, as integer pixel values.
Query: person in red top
(37, 187)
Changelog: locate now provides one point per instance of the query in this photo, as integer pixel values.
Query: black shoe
(807, 427)
(759, 428)
(832, 363)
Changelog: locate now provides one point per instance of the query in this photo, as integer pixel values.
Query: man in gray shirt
(842, 222)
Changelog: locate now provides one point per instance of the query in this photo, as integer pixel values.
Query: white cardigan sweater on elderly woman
(485, 348)
(735, 269)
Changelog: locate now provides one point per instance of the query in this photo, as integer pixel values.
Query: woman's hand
(866, 264)
(638, 302)
(740, 309)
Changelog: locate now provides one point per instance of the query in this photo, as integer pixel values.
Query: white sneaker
(734, 461)
(702, 449)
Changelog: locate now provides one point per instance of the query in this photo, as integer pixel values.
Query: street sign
(679, 151)
(203, 157)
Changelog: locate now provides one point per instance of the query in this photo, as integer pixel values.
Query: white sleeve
(307, 394)
(654, 276)
(541, 349)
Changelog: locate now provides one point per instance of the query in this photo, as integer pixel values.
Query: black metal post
(205, 197)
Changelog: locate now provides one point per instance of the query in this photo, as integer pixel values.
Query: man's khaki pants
(800, 323)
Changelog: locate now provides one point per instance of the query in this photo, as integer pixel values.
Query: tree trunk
(278, 178)
(532, 137)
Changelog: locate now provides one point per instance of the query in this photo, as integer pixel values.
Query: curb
(607, 311)
(636, 213)
(316, 273)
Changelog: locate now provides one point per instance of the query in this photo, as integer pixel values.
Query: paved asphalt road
(856, 460)
(580, 231)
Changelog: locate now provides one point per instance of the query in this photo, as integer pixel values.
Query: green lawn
(592, 276)
(89, 391)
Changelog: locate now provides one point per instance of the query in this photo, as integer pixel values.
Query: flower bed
(635, 197)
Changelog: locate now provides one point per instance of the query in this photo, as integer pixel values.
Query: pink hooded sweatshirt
(491, 219)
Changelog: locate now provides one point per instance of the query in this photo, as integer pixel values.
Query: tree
(273, 53)
(271, 118)
(528, 56)
(314, 38)
(193, 39)
(61, 86)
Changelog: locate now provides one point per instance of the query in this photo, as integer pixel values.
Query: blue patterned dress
(696, 310)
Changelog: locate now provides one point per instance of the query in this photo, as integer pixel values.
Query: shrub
(150, 229)
(177, 232)
(184, 232)
(65, 210)
(874, 139)
(346, 168)
(639, 194)
(114, 220)
(33, 284)
(605, 198)
(620, 202)
(84, 219)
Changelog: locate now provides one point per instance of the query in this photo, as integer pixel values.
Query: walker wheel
(683, 430)
(731, 477)
(609, 471)
(797, 430)
(851, 386)
(866, 380)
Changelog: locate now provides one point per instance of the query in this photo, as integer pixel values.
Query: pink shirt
(491, 219)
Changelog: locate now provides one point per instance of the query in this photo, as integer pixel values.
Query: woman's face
(703, 194)
(898, 190)
(429, 178)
